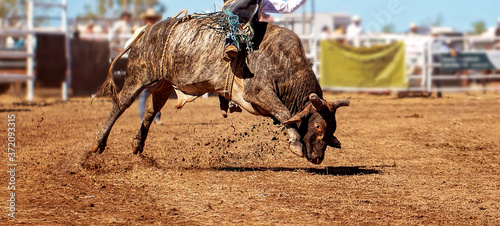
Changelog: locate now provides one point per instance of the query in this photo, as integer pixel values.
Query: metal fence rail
(28, 53)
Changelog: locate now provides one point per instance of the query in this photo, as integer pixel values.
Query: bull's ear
(333, 142)
(341, 103)
(317, 102)
(300, 116)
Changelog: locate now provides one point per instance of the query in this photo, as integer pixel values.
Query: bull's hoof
(137, 148)
(224, 113)
(98, 148)
(297, 148)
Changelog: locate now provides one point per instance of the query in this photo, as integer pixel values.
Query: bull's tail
(108, 88)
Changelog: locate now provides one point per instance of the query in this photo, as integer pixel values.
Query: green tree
(115, 7)
(9, 8)
(438, 21)
(104, 5)
(388, 28)
(479, 27)
(88, 12)
(435, 22)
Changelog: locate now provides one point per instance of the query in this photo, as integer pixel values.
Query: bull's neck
(296, 97)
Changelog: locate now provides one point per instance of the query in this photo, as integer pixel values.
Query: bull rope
(228, 87)
(183, 19)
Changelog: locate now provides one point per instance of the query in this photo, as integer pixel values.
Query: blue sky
(459, 14)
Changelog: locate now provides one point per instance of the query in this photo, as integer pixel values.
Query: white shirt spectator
(415, 49)
(9, 43)
(354, 32)
(325, 33)
(118, 34)
(121, 27)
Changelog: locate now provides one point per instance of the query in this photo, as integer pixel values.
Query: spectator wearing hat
(413, 29)
(149, 18)
(415, 48)
(354, 31)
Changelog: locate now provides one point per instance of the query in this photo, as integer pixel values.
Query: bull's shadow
(330, 170)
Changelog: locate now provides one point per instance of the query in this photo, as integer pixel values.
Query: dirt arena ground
(405, 161)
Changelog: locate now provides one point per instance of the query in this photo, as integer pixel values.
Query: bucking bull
(275, 80)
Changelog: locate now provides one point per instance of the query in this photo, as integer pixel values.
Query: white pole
(67, 82)
(423, 57)
(430, 65)
(30, 50)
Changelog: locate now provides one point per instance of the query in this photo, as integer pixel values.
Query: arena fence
(475, 67)
(37, 12)
(430, 65)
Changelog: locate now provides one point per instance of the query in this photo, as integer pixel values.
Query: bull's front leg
(267, 100)
(293, 134)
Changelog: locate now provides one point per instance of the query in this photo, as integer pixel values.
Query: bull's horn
(300, 116)
(341, 103)
(317, 102)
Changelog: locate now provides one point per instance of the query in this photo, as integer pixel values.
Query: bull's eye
(319, 131)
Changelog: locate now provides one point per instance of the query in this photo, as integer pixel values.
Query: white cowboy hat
(151, 14)
(413, 25)
(356, 18)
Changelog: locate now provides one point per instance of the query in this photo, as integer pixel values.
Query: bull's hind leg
(126, 97)
(155, 103)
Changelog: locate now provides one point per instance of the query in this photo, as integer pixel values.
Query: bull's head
(316, 127)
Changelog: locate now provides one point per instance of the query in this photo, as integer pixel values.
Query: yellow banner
(380, 66)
